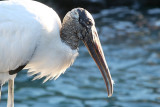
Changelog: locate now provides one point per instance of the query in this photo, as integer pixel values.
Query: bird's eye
(89, 23)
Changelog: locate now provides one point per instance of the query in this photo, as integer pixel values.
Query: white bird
(32, 37)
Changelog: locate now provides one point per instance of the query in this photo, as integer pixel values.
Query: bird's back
(30, 34)
(22, 24)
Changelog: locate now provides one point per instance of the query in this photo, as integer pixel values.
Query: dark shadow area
(94, 6)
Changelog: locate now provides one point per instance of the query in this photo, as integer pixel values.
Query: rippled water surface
(131, 43)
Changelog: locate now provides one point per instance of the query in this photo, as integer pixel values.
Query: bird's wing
(15, 71)
(28, 28)
(19, 33)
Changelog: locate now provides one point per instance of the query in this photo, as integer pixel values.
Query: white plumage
(30, 34)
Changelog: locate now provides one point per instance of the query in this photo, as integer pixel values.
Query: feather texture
(30, 33)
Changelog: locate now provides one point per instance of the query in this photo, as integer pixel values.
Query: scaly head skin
(78, 24)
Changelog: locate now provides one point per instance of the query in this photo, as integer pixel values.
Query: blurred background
(129, 31)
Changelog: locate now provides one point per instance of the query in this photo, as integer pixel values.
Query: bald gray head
(76, 25)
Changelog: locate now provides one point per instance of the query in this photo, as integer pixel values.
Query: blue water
(131, 43)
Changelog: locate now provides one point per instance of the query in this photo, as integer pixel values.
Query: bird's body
(32, 37)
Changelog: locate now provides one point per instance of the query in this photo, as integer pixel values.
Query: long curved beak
(93, 45)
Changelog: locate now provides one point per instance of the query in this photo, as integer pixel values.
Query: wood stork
(32, 37)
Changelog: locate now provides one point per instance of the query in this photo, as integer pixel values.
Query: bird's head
(78, 24)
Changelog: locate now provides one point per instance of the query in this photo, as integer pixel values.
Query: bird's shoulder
(21, 28)
(30, 15)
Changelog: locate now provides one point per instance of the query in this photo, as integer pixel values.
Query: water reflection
(130, 40)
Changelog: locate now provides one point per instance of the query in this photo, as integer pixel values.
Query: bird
(33, 37)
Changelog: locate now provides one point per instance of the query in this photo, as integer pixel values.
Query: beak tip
(109, 96)
(110, 91)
